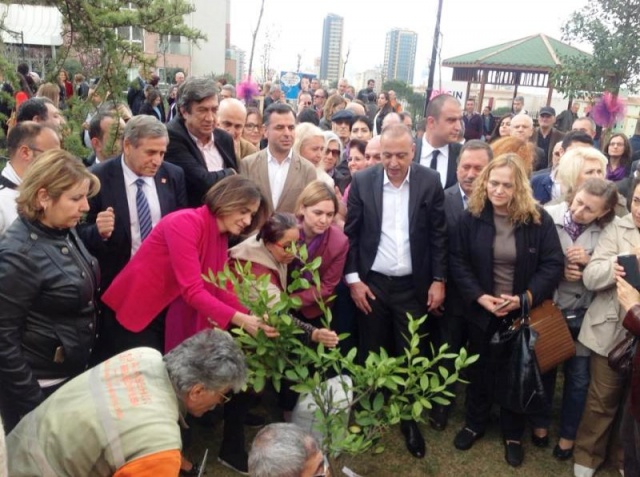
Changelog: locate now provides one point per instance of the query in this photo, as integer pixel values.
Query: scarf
(574, 230)
(617, 174)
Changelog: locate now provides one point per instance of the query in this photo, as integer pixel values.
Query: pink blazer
(167, 270)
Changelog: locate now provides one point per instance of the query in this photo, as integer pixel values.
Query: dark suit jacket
(182, 151)
(556, 137)
(135, 95)
(114, 254)
(454, 152)
(542, 185)
(427, 225)
(454, 209)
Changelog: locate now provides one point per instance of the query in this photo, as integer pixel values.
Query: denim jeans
(574, 395)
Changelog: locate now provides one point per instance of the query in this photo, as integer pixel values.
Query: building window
(132, 34)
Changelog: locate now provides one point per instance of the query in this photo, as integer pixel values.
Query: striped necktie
(144, 214)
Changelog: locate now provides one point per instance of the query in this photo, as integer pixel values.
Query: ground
(485, 459)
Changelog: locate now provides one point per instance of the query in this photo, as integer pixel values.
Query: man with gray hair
(138, 189)
(517, 107)
(274, 96)
(227, 91)
(232, 115)
(123, 417)
(522, 128)
(285, 450)
(204, 152)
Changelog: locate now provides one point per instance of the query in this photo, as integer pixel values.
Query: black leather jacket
(48, 294)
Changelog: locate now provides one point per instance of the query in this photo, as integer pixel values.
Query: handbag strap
(524, 307)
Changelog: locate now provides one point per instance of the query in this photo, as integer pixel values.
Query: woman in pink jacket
(167, 272)
(167, 269)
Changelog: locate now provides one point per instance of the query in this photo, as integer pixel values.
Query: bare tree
(344, 65)
(255, 35)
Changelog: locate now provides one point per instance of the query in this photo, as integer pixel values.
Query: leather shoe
(254, 421)
(539, 441)
(513, 453)
(465, 438)
(413, 438)
(439, 417)
(562, 454)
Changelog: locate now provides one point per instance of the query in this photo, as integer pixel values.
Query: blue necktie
(144, 214)
(434, 159)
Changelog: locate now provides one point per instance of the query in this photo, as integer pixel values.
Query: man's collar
(198, 142)
(271, 157)
(428, 148)
(386, 180)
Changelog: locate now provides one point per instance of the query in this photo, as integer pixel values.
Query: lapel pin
(163, 180)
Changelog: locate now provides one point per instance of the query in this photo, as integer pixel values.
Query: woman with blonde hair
(579, 164)
(51, 91)
(309, 144)
(506, 251)
(523, 149)
(334, 103)
(316, 209)
(48, 285)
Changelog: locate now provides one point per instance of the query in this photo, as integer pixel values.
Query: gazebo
(528, 61)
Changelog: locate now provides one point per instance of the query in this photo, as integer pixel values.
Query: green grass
(485, 459)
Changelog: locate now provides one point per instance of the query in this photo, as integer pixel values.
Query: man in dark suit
(472, 121)
(439, 147)
(545, 135)
(473, 158)
(105, 131)
(397, 259)
(135, 93)
(205, 153)
(117, 222)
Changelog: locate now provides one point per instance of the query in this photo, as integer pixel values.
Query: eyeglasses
(287, 247)
(318, 96)
(334, 152)
(251, 126)
(224, 398)
(325, 468)
(307, 103)
(616, 144)
(35, 149)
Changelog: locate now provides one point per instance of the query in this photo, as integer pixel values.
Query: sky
(466, 26)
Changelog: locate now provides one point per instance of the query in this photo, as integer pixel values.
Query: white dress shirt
(277, 175)
(426, 154)
(150, 192)
(393, 257)
(8, 210)
(212, 157)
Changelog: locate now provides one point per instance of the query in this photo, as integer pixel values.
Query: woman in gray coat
(579, 220)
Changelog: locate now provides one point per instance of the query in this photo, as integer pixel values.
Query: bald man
(232, 115)
(522, 128)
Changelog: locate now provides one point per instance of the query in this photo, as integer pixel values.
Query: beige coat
(301, 172)
(602, 327)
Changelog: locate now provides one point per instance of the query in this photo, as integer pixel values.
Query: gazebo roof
(533, 53)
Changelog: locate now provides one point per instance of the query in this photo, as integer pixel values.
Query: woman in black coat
(506, 247)
(48, 285)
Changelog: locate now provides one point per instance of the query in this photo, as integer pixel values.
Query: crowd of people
(105, 320)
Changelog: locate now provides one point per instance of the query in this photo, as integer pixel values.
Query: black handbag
(516, 383)
(574, 319)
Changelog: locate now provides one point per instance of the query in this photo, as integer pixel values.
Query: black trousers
(113, 338)
(479, 394)
(385, 326)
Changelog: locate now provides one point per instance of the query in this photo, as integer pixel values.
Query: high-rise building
(400, 55)
(331, 59)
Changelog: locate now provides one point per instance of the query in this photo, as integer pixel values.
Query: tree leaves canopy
(612, 28)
